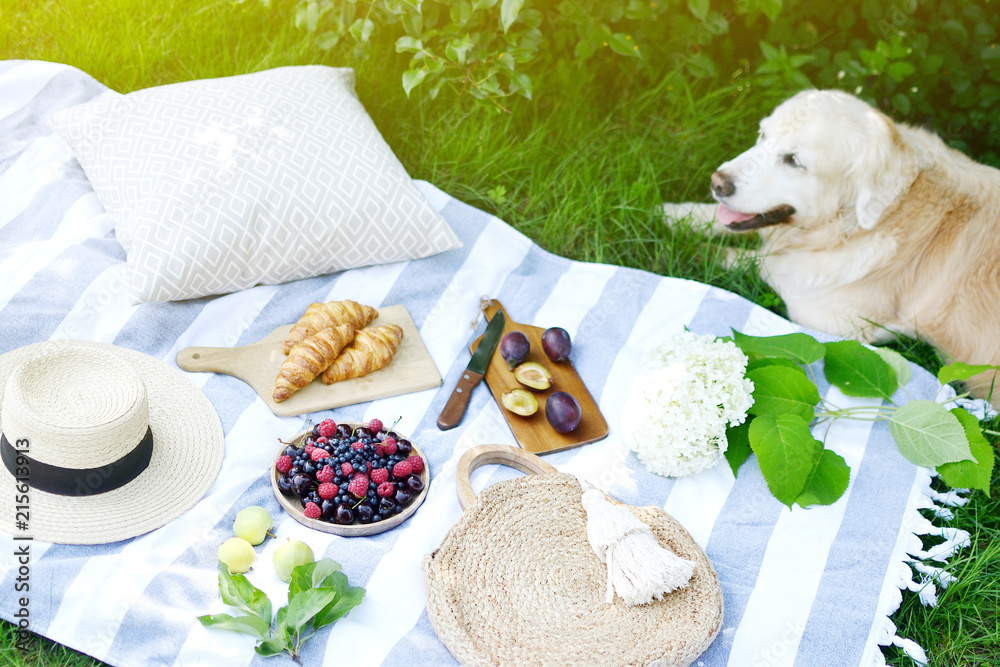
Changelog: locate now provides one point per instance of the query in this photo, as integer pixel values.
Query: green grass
(583, 169)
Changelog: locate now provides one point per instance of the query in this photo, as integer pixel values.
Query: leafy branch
(318, 595)
(797, 467)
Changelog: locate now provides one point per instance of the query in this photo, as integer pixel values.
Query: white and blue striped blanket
(803, 587)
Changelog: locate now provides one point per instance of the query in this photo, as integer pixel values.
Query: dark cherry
(363, 432)
(309, 468)
(291, 451)
(343, 514)
(301, 484)
(403, 496)
(414, 483)
(328, 508)
(365, 513)
(344, 430)
(285, 484)
(404, 447)
(385, 506)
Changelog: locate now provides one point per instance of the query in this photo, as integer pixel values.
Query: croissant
(320, 316)
(371, 350)
(309, 358)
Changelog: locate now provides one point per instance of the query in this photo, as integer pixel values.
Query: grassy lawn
(581, 170)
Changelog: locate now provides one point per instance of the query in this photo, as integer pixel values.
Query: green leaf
(407, 44)
(968, 474)
(412, 79)
(799, 347)
(509, 9)
(623, 44)
(738, 447)
(899, 70)
(780, 390)
(305, 605)
(961, 371)
(857, 371)
(247, 624)
(349, 597)
(828, 481)
(521, 84)
(772, 361)
(771, 8)
(237, 591)
(362, 29)
(699, 8)
(312, 16)
(312, 575)
(786, 452)
(271, 646)
(456, 49)
(898, 363)
(770, 52)
(928, 435)
(327, 39)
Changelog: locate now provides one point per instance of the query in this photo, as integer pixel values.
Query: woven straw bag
(515, 581)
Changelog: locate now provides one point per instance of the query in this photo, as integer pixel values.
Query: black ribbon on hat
(79, 481)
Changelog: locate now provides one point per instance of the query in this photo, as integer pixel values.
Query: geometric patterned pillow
(217, 185)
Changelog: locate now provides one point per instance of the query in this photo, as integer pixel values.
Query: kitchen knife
(454, 409)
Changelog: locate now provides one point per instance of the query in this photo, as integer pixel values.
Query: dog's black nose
(722, 184)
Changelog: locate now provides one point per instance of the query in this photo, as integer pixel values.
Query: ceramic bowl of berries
(350, 478)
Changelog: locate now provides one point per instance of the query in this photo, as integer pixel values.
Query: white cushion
(217, 185)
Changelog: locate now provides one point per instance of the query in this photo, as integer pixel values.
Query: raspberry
(416, 463)
(284, 464)
(379, 475)
(318, 453)
(358, 445)
(308, 449)
(346, 468)
(327, 490)
(321, 440)
(325, 474)
(402, 469)
(327, 428)
(358, 486)
(375, 425)
(389, 446)
(312, 511)
(386, 489)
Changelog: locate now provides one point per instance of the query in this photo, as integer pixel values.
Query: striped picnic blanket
(803, 587)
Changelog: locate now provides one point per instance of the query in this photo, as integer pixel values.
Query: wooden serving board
(257, 364)
(293, 505)
(534, 433)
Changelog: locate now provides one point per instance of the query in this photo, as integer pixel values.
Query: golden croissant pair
(334, 340)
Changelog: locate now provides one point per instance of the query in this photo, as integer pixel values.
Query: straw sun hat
(117, 442)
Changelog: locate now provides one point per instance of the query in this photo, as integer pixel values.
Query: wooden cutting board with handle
(534, 433)
(257, 364)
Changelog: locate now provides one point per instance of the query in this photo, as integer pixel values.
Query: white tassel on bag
(639, 569)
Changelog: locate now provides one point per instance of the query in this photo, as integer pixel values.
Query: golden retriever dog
(869, 227)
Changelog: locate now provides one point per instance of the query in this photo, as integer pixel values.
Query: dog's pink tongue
(728, 216)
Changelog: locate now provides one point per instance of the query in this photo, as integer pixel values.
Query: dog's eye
(792, 160)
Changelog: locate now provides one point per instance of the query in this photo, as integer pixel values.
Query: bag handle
(515, 457)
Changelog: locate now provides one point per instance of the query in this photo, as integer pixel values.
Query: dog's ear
(884, 170)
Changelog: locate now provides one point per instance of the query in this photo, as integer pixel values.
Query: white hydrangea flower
(679, 405)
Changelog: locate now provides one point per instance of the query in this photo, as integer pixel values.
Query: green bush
(933, 63)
